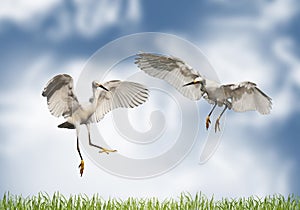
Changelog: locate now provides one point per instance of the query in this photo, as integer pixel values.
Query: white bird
(241, 97)
(62, 101)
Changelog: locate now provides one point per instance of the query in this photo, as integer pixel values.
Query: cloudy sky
(249, 40)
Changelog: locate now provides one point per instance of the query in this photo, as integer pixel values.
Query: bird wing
(121, 94)
(173, 70)
(245, 96)
(60, 96)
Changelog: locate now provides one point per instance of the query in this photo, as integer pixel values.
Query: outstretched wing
(60, 96)
(245, 96)
(121, 94)
(173, 70)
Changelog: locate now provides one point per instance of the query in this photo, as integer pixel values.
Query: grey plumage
(60, 95)
(172, 70)
(246, 96)
(62, 101)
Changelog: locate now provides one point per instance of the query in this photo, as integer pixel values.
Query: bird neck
(94, 102)
(211, 83)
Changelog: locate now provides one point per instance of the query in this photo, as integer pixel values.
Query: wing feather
(60, 96)
(246, 96)
(121, 94)
(173, 70)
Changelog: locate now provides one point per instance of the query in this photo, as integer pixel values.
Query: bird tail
(66, 125)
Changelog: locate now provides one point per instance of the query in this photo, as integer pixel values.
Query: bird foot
(217, 125)
(207, 122)
(107, 151)
(81, 166)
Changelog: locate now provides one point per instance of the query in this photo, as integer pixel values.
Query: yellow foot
(217, 125)
(207, 122)
(81, 166)
(107, 151)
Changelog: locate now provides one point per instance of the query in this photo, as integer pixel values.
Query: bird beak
(104, 88)
(191, 83)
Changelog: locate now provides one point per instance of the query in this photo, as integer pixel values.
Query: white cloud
(241, 171)
(134, 10)
(86, 18)
(276, 12)
(93, 17)
(22, 11)
(283, 49)
(265, 16)
(240, 61)
(103, 13)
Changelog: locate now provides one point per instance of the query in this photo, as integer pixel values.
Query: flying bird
(62, 101)
(241, 97)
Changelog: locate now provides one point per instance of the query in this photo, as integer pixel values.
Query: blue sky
(250, 40)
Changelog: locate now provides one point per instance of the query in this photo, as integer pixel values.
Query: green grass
(184, 201)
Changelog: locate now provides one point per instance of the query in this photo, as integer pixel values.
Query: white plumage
(241, 97)
(62, 101)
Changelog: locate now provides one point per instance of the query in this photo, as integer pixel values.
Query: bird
(240, 97)
(62, 102)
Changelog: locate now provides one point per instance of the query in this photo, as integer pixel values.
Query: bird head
(96, 84)
(197, 80)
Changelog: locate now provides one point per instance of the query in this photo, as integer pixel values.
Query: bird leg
(207, 122)
(102, 149)
(208, 117)
(217, 124)
(81, 165)
(107, 151)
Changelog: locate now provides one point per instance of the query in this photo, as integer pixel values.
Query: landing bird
(241, 97)
(114, 94)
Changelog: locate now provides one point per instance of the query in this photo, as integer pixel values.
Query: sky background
(247, 40)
